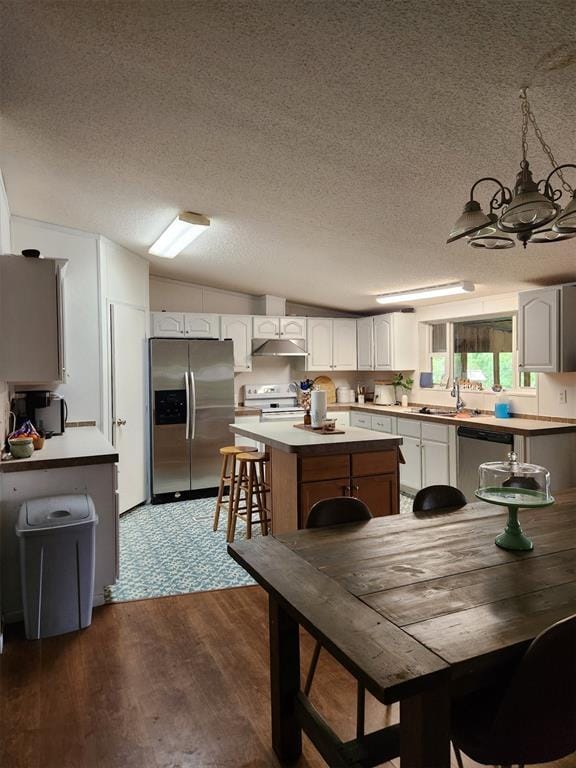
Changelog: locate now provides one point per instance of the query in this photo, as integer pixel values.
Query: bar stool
(228, 477)
(252, 479)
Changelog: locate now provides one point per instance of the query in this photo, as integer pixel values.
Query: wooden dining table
(417, 608)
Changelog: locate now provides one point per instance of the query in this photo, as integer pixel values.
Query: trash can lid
(53, 511)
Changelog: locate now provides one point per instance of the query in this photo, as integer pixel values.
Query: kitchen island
(306, 467)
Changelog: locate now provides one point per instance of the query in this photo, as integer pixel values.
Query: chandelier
(531, 212)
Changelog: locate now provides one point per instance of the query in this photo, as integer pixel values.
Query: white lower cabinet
(342, 418)
(429, 449)
(359, 419)
(411, 470)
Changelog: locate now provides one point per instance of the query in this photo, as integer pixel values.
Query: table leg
(425, 730)
(284, 682)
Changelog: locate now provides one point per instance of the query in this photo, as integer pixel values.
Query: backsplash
(280, 370)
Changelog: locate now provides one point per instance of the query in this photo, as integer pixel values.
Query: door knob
(120, 422)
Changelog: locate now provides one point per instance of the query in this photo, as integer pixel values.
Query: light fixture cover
(472, 219)
(418, 294)
(493, 241)
(528, 210)
(566, 220)
(180, 233)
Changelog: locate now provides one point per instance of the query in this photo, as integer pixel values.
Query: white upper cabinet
(292, 327)
(344, 345)
(546, 321)
(389, 344)
(31, 319)
(239, 329)
(201, 326)
(320, 333)
(365, 343)
(169, 324)
(383, 343)
(266, 327)
(331, 344)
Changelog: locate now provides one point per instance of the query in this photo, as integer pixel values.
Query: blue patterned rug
(171, 549)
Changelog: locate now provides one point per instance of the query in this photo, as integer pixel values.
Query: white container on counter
(318, 407)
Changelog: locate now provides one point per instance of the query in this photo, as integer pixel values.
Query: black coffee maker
(45, 409)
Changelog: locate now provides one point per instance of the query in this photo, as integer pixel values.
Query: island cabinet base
(298, 482)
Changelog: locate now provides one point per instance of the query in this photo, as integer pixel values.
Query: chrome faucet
(456, 393)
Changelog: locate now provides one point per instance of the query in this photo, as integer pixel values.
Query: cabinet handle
(347, 490)
(356, 490)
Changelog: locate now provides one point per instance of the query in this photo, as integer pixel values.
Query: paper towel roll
(318, 407)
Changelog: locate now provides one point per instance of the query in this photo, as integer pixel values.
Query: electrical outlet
(563, 396)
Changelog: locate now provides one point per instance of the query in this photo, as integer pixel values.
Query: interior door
(128, 330)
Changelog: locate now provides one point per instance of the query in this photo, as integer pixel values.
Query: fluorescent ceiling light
(426, 293)
(185, 228)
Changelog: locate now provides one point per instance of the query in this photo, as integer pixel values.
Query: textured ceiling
(333, 143)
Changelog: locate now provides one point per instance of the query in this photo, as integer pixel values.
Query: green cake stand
(513, 537)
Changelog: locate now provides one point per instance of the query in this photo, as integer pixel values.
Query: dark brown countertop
(78, 446)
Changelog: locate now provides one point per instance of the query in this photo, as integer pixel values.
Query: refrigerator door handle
(193, 386)
(187, 405)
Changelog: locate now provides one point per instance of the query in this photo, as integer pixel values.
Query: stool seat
(254, 456)
(232, 450)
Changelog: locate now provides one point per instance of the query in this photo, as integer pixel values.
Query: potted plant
(405, 384)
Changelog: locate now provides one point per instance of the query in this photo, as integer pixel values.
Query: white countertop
(286, 437)
(77, 446)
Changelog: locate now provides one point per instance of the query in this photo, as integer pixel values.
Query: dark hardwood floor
(167, 683)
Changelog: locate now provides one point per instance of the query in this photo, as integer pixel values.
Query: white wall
(124, 279)
(82, 388)
(176, 296)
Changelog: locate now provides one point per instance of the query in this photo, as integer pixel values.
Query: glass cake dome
(514, 483)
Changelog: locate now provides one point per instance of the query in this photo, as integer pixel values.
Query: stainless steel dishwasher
(476, 446)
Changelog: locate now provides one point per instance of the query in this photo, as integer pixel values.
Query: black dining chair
(532, 718)
(439, 498)
(338, 511)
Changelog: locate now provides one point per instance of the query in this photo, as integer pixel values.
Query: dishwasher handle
(506, 438)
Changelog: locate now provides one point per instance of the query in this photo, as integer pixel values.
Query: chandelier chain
(528, 115)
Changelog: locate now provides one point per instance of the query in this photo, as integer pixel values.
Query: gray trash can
(57, 549)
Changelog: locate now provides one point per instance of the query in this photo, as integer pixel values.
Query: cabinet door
(365, 342)
(344, 345)
(379, 493)
(435, 463)
(538, 330)
(239, 329)
(310, 493)
(201, 326)
(384, 424)
(411, 471)
(319, 344)
(342, 418)
(293, 327)
(169, 324)
(363, 420)
(383, 343)
(265, 327)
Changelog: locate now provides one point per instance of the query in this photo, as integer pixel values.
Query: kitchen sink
(434, 411)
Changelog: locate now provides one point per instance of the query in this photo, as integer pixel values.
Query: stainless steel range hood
(279, 347)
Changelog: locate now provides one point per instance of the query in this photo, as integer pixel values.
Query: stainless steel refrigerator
(192, 406)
